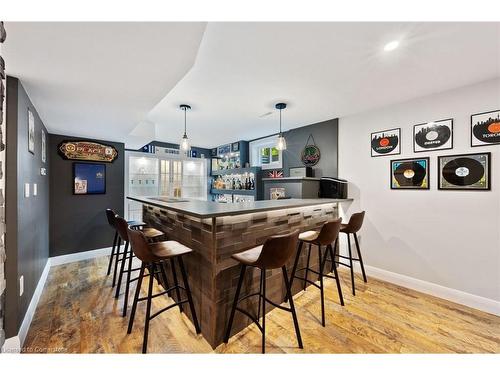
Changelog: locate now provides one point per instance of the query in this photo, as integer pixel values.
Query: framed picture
(386, 142)
(433, 136)
(410, 174)
(89, 178)
(31, 132)
(276, 193)
(465, 172)
(485, 129)
(44, 147)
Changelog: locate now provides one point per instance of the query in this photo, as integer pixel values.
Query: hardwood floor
(78, 314)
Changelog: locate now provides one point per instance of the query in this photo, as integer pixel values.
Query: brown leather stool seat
(275, 252)
(153, 257)
(151, 234)
(352, 227)
(323, 238)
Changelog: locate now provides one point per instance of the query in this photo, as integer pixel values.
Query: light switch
(35, 190)
(26, 190)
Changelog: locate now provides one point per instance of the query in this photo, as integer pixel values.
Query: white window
(263, 153)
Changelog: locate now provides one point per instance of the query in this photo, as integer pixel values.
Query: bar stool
(110, 215)
(275, 252)
(352, 227)
(152, 256)
(150, 234)
(324, 237)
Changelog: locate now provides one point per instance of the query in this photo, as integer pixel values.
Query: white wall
(450, 238)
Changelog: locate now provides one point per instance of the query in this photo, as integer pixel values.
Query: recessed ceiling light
(391, 46)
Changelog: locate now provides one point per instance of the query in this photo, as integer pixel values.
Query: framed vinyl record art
(433, 136)
(465, 172)
(410, 174)
(485, 129)
(386, 142)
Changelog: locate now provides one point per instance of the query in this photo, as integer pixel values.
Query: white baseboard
(471, 300)
(14, 344)
(76, 257)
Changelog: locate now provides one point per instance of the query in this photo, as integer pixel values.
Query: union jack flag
(275, 174)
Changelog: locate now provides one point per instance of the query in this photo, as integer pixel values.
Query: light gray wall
(450, 238)
(326, 137)
(27, 239)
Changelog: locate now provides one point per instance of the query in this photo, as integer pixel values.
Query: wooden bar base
(213, 274)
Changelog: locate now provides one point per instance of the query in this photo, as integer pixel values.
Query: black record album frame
(487, 172)
(427, 171)
(436, 148)
(473, 138)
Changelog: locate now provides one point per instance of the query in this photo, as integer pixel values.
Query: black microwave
(332, 187)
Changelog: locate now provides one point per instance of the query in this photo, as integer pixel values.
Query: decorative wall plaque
(310, 154)
(89, 151)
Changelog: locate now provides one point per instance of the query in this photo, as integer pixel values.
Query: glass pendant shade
(185, 146)
(281, 143)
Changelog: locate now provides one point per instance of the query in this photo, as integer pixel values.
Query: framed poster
(465, 172)
(410, 174)
(89, 178)
(44, 147)
(485, 129)
(386, 142)
(31, 132)
(433, 136)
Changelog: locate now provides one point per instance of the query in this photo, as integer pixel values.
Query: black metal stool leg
(189, 296)
(350, 261)
(263, 271)
(360, 258)
(112, 253)
(127, 285)
(148, 309)
(333, 251)
(295, 264)
(177, 292)
(136, 298)
(235, 303)
(122, 268)
(336, 274)
(262, 275)
(321, 289)
(288, 287)
(307, 267)
(117, 256)
(164, 274)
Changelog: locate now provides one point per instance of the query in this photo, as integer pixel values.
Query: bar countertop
(208, 209)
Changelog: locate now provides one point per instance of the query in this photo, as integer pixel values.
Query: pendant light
(184, 145)
(281, 142)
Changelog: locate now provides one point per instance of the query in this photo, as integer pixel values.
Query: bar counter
(215, 231)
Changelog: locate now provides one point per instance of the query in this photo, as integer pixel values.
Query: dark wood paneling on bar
(213, 274)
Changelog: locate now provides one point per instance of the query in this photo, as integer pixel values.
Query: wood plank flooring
(78, 314)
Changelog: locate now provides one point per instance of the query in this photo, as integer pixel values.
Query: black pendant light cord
(185, 110)
(280, 121)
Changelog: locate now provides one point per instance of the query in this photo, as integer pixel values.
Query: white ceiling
(322, 70)
(99, 80)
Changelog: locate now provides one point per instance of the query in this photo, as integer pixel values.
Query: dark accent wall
(27, 239)
(78, 222)
(326, 137)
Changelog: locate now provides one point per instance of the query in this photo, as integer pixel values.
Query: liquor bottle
(252, 184)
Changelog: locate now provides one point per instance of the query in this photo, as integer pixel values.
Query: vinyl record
(433, 136)
(463, 171)
(487, 131)
(410, 174)
(385, 144)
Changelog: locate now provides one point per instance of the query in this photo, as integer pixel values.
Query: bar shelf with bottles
(231, 182)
